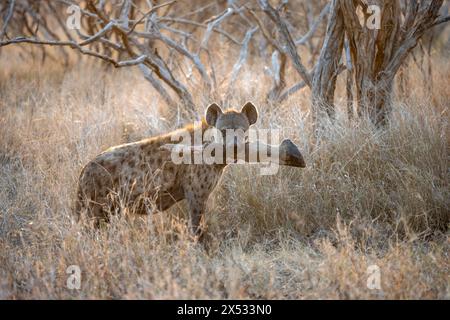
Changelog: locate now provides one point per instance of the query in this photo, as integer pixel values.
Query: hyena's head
(231, 120)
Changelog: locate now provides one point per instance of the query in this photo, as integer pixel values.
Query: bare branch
(74, 45)
(153, 9)
(289, 92)
(278, 73)
(242, 57)
(314, 27)
(298, 86)
(153, 61)
(98, 35)
(201, 25)
(291, 50)
(265, 33)
(212, 23)
(8, 17)
(124, 13)
(157, 85)
(133, 62)
(276, 67)
(440, 21)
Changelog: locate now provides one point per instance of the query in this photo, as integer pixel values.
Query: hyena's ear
(212, 114)
(250, 111)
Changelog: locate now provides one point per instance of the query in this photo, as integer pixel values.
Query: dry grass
(367, 197)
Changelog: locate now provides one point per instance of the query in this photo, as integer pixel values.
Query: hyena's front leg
(196, 198)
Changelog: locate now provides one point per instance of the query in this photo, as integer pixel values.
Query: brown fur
(143, 170)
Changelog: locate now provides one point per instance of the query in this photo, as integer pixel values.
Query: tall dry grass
(367, 197)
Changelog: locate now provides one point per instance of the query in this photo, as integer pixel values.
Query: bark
(349, 82)
(327, 70)
(377, 55)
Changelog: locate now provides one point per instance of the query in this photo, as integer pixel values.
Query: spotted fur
(144, 170)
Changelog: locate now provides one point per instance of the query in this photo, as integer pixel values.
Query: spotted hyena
(144, 176)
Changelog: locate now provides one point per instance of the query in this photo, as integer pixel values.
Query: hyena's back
(133, 171)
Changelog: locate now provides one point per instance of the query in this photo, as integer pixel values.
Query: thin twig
(75, 45)
(8, 17)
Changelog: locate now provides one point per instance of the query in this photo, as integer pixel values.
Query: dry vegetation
(367, 197)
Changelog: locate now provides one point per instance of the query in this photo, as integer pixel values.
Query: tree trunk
(377, 54)
(375, 99)
(327, 70)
